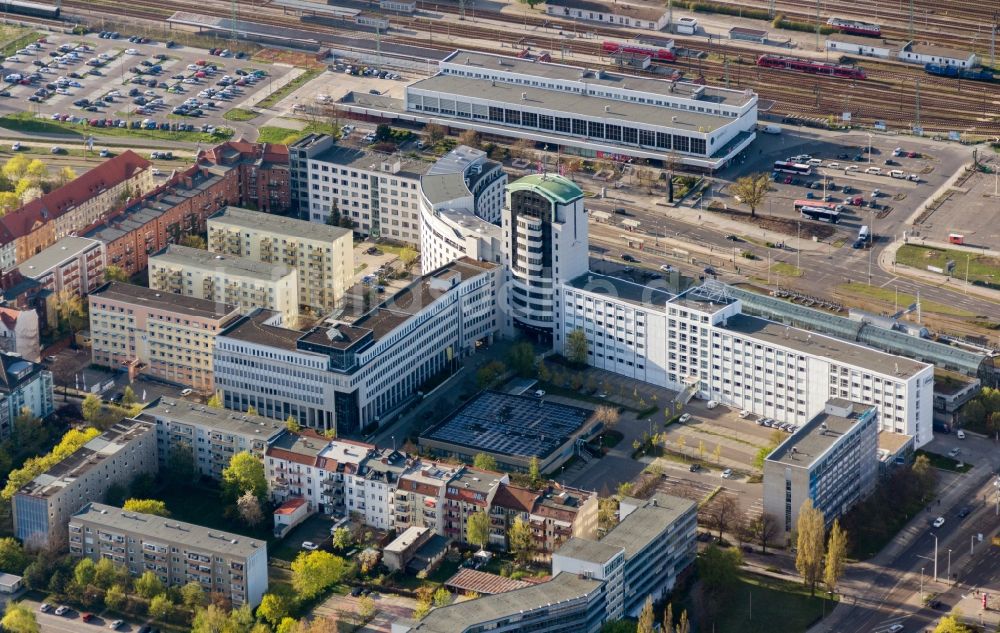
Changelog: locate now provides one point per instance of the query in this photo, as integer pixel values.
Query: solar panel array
(510, 425)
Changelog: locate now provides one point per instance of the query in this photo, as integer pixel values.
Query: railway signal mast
(909, 29)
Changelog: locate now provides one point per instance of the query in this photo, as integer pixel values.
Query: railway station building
(599, 114)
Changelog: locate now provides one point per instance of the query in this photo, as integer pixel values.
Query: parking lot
(334, 84)
(89, 78)
(874, 199)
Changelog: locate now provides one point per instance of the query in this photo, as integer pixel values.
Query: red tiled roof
(515, 498)
(291, 456)
(484, 583)
(108, 174)
(290, 506)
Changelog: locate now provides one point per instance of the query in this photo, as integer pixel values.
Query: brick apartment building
(262, 173)
(29, 230)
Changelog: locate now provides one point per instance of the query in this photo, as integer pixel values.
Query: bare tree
(751, 190)
(765, 528)
(720, 513)
(744, 528)
(608, 416)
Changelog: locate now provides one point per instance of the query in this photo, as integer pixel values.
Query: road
(823, 266)
(886, 589)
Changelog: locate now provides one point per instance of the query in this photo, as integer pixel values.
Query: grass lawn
(944, 462)
(287, 135)
(980, 268)
(27, 122)
(18, 42)
(786, 270)
(288, 88)
(772, 601)
(240, 114)
(202, 506)
(888, 295)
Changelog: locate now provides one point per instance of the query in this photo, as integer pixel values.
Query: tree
(951, 624)
(161, 607)
(521, 359)
(70, 309)
(521, 539)
(13, 560)
(113, 272)
(490, 373)
(608, 416)
(368, 559)
(765, 528)
(408, 255)
(668, 619)
(128, 396)
(36, 171)
(744, 528)
(470, 138)
(442, 597)
(9, 201)
(576, 347)
(681, 444)
(65, 175)
(91, 407)
(240, 620)
(477, 528)
(244, 473)
(215, 401)
(974, 413)
(836, 555)
(720, 512)
(751, 190)
(212, 619)
(273, 607)
(534, 471)
(19, 619)
(719, 568)
(435, 132)
(180, 466)
(646, 623)
(192, 595)
(292, 424)
(684, 626)
(287, 625)
(701, 450)
(115, 598)
(485, 461)
(342, 538)
(147, 506)
(107, 573)
(717, 453)
(248, 507)
(148, 585)
(366, 608)
(313, 572)
(16, 167)
(83, 573)
(809, 557)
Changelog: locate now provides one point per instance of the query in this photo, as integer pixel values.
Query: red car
(87, 617)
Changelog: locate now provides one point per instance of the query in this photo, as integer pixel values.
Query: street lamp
(949, 564)
(869, 149)
(921, 583)
(935, 556)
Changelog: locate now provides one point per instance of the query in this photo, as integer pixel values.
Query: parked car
(62, 610)
(695, 468)
(684, 418)
(938, 522)
(964, 512)
(309, 545)
(727, 473)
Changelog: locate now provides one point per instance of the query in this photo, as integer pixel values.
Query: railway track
(890, 93)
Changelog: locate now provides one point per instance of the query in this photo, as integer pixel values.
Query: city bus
(822, 214)
(819, 204)
(792, 168)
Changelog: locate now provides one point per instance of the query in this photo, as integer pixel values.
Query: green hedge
(711, 7)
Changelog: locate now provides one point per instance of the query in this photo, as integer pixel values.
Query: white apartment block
(43, 507)
(351, 374)
(24, 386)
(832, 461)
(336, 477)
(230, 565)
(699, 341)
(419, 499)
(212, 435)
(377, 191)
(461, 199)
(229, 279)
(323, 256)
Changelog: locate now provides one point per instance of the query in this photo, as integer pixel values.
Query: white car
(185, 392)
(117, 624)
(960, 434)
(851, 168)
(833, 165)
(62, 610)
(895, 628)
(727, 473)
(309, 545)
(744, 414)
(938, 522)
(16, 147)
(684, 418)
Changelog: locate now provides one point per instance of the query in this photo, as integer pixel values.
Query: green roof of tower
(553, 186)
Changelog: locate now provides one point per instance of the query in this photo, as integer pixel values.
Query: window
(630, 135)
(579, 127)
(613, 132)
(562, 125)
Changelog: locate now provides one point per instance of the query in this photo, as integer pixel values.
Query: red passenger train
(855, 28)
(810, 66)
(658, 54)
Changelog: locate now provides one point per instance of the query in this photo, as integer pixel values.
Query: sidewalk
(859, 582)
(887, 262)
